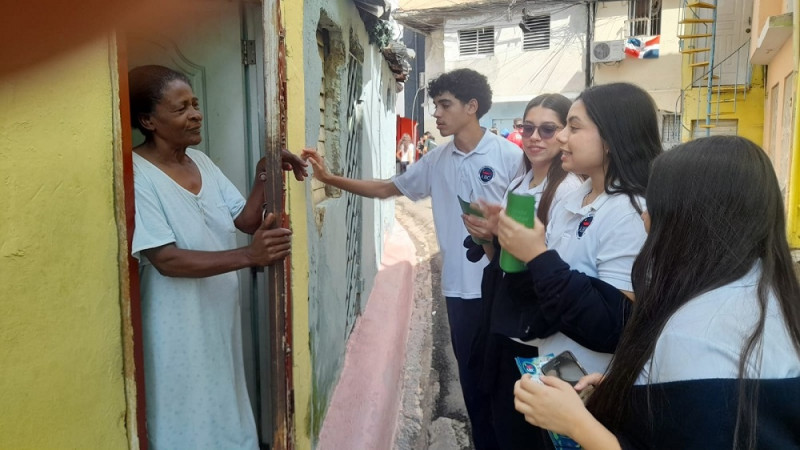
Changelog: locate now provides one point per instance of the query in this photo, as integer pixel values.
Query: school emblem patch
(486, 174)
(585, 222)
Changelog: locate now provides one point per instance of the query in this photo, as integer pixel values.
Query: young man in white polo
(475, 165)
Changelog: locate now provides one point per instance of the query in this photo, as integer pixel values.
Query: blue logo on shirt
(585, 222)
(486, 174)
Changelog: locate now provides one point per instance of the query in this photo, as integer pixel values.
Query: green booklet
(466, 208)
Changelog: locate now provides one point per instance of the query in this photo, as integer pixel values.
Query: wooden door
(230, 87)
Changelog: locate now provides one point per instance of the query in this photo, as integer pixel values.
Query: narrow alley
(432, 414)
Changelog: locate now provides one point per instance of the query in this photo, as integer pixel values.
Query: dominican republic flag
(642, 48)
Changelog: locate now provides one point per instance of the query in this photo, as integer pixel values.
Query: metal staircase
(716, 97)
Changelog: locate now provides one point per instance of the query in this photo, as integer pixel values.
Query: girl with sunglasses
(577, 291)
(711, 355)
(579, 268)
(549, 183)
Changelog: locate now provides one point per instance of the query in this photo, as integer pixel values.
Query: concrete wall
(414, 87)
(62, 380)
(516, 75)
(434, 66)
(779, 102)
(762, 9)
(660, 77)
(329, 320)
(779, 123)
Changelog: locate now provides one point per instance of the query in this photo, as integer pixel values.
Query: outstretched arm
(364, 188)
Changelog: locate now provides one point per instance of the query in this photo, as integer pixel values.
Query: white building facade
(524, 50)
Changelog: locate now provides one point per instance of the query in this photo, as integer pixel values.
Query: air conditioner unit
(608, 51)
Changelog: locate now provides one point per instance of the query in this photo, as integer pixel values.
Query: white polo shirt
(445, 173)
(601, 240)
(705, 337)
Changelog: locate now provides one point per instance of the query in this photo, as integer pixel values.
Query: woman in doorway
(548, 183)
(711, 356)
(187, 213)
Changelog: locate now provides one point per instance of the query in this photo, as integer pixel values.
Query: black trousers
(465, 317)
(510, 427)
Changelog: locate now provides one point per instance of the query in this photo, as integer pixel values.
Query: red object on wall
(406, 125)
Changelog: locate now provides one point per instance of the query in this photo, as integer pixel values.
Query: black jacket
(550, 297)
(701, 414)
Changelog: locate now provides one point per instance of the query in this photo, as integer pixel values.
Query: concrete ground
(432, 414)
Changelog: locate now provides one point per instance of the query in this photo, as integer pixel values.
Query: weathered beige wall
(60, 344)
(660, 77)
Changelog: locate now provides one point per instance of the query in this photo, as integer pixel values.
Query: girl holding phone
(576, 295)
(545, 180)
(579, 268)
(711, 355)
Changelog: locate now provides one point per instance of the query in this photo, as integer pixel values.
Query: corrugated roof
(420, 5)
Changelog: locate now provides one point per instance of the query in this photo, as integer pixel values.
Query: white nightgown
(194, 373)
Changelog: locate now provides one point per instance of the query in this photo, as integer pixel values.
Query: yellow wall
(793, 212)
(749, 112)
(783, 150)
(60, 346)
(296, 198)
(780, 67)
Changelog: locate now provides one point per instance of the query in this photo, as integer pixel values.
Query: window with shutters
(477, 41)
(536, 33)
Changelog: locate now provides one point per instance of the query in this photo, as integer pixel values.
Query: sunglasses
(546, 130)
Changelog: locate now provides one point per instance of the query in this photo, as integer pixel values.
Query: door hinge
(248, 52)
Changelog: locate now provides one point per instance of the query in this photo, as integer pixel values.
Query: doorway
(222, 54)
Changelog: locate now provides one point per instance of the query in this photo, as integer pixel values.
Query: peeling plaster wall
(327, 314)
(60, 337)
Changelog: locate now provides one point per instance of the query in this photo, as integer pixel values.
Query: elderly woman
(187, 213)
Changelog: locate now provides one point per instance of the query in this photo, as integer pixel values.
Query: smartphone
(566, 367)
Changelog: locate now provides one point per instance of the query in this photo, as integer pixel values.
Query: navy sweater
(701, 414)
(550, 297)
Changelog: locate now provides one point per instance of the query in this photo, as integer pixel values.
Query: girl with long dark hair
(545, 180)
(711, 356)
(579, 268)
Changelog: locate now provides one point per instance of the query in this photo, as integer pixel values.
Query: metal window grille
(477, 41)
(670, 130)
(644, 17)
(352, 169)
(538, 35)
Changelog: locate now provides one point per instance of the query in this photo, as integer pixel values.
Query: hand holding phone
(566, 367)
